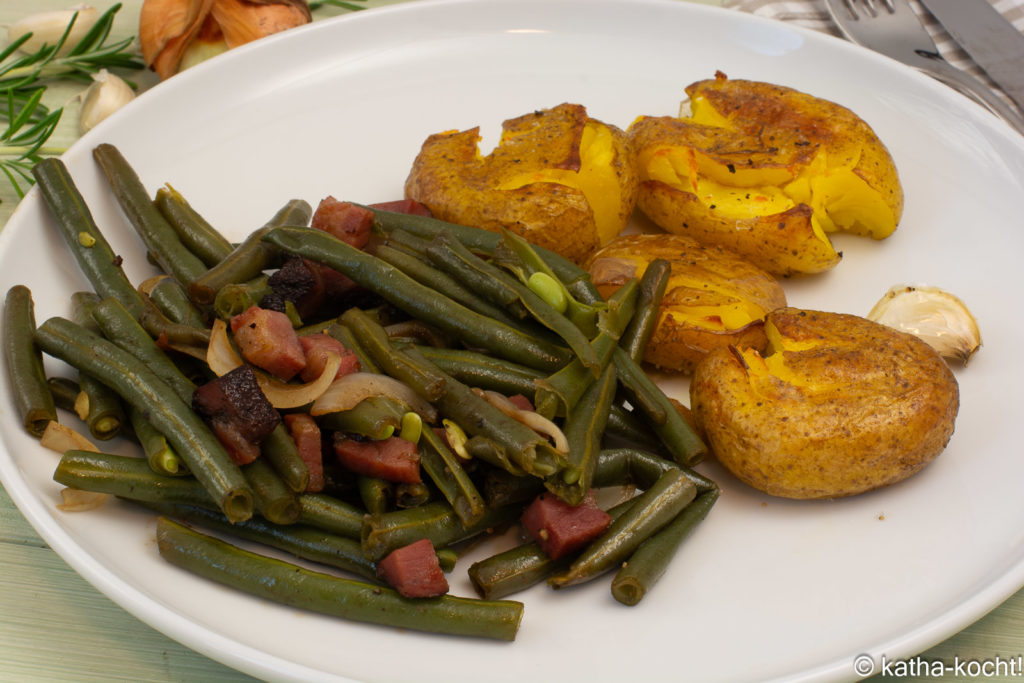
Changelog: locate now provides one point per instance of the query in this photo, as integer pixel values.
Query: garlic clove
(48, 27)
(933, 315)
(107, 94)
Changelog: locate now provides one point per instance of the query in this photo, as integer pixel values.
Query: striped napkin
(812, 14)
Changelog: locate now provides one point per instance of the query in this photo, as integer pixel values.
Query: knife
(988, 37)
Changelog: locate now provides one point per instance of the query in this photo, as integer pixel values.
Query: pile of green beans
(529, 322)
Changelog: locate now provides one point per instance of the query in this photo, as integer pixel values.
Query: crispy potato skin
(713, 299)
(857, 406)
(530, 182)
(766, 171)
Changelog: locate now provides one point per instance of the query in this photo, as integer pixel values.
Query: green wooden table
(55, 626)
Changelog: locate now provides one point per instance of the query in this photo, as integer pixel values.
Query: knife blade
(988, 37)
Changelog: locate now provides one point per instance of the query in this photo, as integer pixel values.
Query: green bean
(649, 561)
(330, 514)
(127, 477)
(141, 387)
(274, 500)
(584, 429)
(621, 466)
(159, 237)
(194, 231)
(97, 405)
(445, 250)
(441, 282)
(484, 371)
(159, 454)
(644, 321)
(423, 378)
(417, 300)
(674, 431)
(501, 488)
(520, 567)
(651, 510)
(569, 383)
(411, 495)
(250, 258)
(374, 417)
(172, 300)
(280, 450)
(575, 278)
(308, 543)
(64, 391)
(532, 264)
(237, 297)
(305, 589)
(25, 362)
(119, 327)
(451, 479)
(99, 263)
(436, 521)
(522, 446)
(453, 258)
(376, 494)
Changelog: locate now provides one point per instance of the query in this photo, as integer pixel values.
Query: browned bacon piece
(299, 281)
(560, 528)
(268, 340)
(238, 412)
(306, 435)
(316, 348)
(392, 459)
(349, 222)
(414, 571)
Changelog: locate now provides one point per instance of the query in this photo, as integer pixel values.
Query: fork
(891, 28)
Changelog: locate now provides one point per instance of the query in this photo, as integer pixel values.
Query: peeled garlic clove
(48, 27)
(107, 94)
(932, 314)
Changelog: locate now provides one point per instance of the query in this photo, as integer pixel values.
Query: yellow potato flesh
(841, 199)
(596, 178)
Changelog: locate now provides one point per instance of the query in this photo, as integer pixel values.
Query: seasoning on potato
(840, 405)
(558, 178)
(714, 299)
(766, 171)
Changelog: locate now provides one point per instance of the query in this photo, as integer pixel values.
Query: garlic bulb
(107, 94)
(48, 27)
(934, 315)
(175, 34)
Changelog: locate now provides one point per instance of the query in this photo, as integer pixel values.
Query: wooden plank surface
(55, 627)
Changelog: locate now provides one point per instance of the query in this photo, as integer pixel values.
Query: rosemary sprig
(87, 57)
(23, 82)
(29, 126)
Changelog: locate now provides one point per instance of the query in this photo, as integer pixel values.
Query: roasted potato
(766, 171)
(558, 178)
(714, 299)
(838, 406)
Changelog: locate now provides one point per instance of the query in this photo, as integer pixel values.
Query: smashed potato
(838, 406)
(766, 171)
(558, 178)
(713, 299)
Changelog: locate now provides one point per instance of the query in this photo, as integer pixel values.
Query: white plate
(765, 588)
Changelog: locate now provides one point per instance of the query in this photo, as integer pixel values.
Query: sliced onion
(222, 359)
(530, 418)
(77, 500)
(283, 395)
(220, 355)
(61, 438)
(347, 391)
